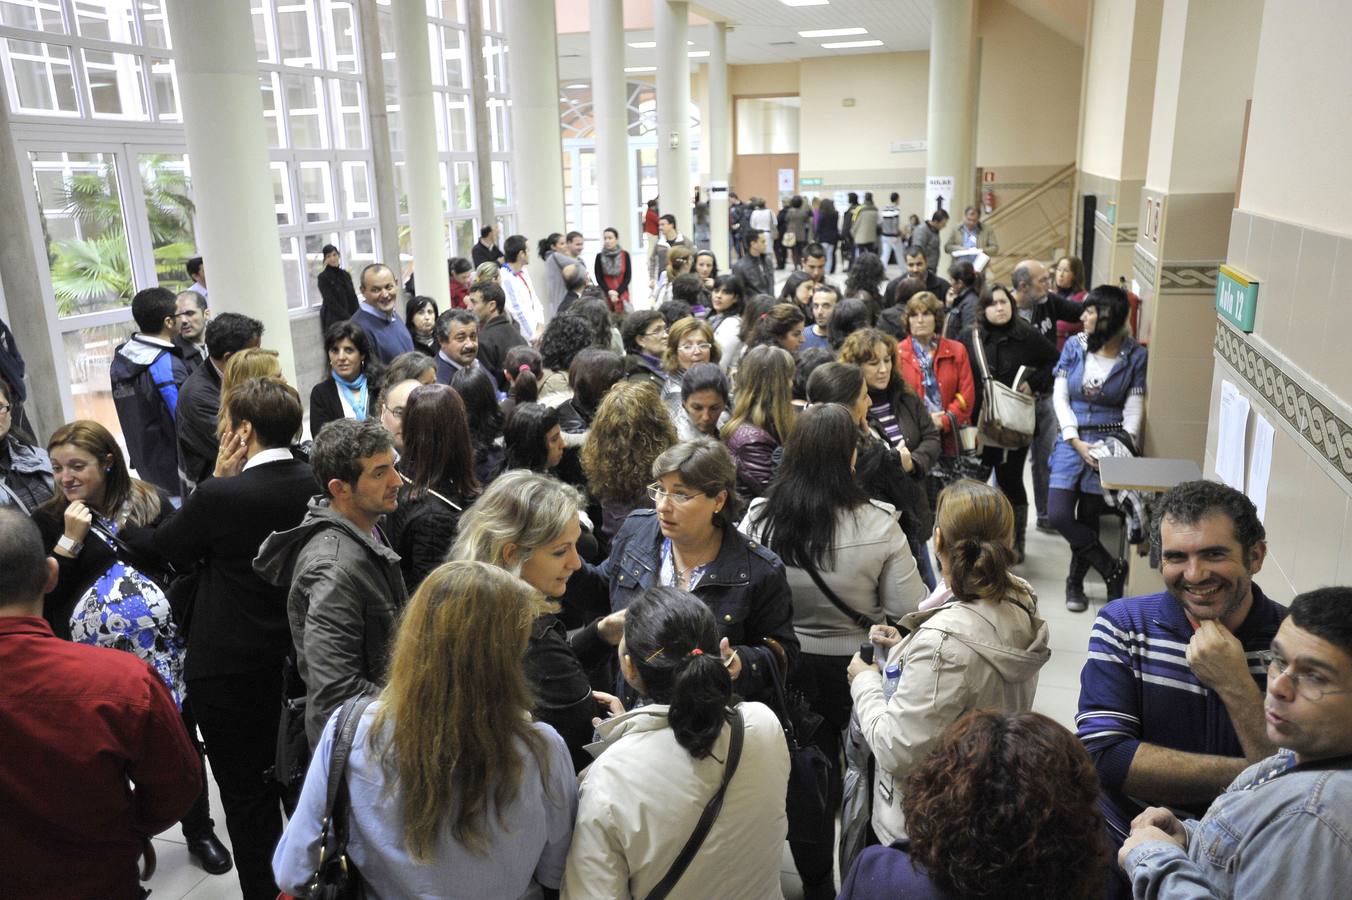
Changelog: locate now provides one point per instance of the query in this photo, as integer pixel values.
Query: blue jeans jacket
(1279, 830)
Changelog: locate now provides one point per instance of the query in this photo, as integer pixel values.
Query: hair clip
(696, 652)
(652, 656)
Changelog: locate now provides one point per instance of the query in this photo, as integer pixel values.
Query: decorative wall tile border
(1326, 433)
(1144, 265)
(1188, 277)
(1127, 234)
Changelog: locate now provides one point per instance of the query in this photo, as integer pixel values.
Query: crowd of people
(563, 597)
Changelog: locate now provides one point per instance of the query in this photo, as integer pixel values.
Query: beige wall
(1293, 231)
(1029, 92)
(1300, 132)
(1105, 91)
(780, 78)
(890, 104)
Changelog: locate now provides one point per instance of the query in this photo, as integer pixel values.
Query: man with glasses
(1282, 827)
(1171, 696)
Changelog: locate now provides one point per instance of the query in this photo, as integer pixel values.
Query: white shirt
(263, 457)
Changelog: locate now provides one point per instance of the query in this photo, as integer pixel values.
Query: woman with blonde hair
(449, 782)
(689, 341)
(679, 260)
(487, 273)
(251, 362)
(762, 417)
(977, 643)
(631, 428)
(528, 524)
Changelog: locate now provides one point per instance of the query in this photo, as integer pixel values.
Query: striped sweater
(1136, 686)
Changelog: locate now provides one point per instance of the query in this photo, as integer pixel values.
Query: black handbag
(335, 877)
(809, 773)
(706, 819)
(292, 758)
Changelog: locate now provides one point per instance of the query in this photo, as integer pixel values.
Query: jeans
(830, 256)
(1044, 438)
(822, 681)
(920, 550)
(891, 249)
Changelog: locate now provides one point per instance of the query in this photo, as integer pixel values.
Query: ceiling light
(632, 69)
(805, 2)
(643, 45)
(845, 45)
(697, 54)
(576, 87)
(832, 32)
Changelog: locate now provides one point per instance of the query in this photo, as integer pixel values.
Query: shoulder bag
(706, 819)
(336, 878)
(1008, 416)
(805, 803)
(966, 463)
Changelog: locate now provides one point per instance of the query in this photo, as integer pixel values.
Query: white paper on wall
(1234, 421)
(1260, 464)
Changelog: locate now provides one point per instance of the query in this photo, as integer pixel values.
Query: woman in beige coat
(660, 764)
(976, 643)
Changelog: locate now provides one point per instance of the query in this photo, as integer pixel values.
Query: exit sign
(1236, 297)
(810, 182)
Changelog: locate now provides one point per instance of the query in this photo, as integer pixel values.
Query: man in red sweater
(95, 759)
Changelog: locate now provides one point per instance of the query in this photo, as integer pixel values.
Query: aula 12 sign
(1237, 297)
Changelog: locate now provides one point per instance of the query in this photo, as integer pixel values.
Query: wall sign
(1237, 297)
(938, 194)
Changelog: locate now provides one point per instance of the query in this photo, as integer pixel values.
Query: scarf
(933, 403)
(610, 262)
(353, 392)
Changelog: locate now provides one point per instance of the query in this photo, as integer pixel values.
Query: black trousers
(238, 716)
(822, 680)
(197, 821)
(1008, 465)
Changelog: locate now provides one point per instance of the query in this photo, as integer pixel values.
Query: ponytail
(522, 368)
(699, 700)
(979, 569)
(672, 640)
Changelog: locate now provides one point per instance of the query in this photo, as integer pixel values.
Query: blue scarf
(355, 390)
(931, 384)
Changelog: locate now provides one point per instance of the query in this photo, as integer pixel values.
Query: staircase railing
(1035, 225)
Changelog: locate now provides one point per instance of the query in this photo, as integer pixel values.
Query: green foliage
(86, 272)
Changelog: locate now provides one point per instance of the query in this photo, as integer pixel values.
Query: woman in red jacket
(937, 368)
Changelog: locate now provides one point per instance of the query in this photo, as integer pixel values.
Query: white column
(715, 131)
(378, 121)
(422, 179)
(537, 145)
(228, 148)
(952, 97)
(673, 113)
(610, 90)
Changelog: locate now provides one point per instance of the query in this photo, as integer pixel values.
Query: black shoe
(1044, 525)
(1076, 601)
(1113, 570)
(209, 853)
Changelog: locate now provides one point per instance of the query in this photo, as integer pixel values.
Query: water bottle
(891, 678)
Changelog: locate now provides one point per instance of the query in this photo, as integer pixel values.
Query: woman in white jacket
(662, 763)
(832, 538)
(979, 648)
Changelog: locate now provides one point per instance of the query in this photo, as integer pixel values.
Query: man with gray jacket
(345, 585)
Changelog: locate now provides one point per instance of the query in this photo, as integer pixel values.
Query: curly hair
(1007, 806)
(564, 338)
(631, 429)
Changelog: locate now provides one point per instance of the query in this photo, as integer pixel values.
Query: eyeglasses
(680, 498)
(658, 333)
(1309, 685)
(701, 347)
(4, 409)
(396, 411)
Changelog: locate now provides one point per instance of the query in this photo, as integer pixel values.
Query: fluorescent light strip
(632, 69)
(575, 87)
(845, 45)
(805, 2)
(643, 45)
(697, 54)
(832, 32)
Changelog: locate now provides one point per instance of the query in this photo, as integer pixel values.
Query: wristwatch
(71, 547)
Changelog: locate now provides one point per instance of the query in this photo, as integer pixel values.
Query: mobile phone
(866, 652)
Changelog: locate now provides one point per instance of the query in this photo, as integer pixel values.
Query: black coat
(744, 587)
(556, 665)
(1052, 309)
(925, 444)
(238, 621)
(1007, 349)
(480, 254)
(757, 273)
(422, 531)
(199, 405)
(325, 405)
(496, 336)
(340, 297)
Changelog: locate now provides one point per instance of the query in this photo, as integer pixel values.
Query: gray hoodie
(345, 594)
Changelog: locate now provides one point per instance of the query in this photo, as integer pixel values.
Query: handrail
(1032, 194)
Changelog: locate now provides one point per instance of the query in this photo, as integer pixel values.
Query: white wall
(1105, 93)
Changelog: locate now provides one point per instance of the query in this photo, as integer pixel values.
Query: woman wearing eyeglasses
(689, 341)
(689, 542)
(644, 335)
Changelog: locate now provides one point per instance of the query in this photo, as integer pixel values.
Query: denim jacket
(1279, 830)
